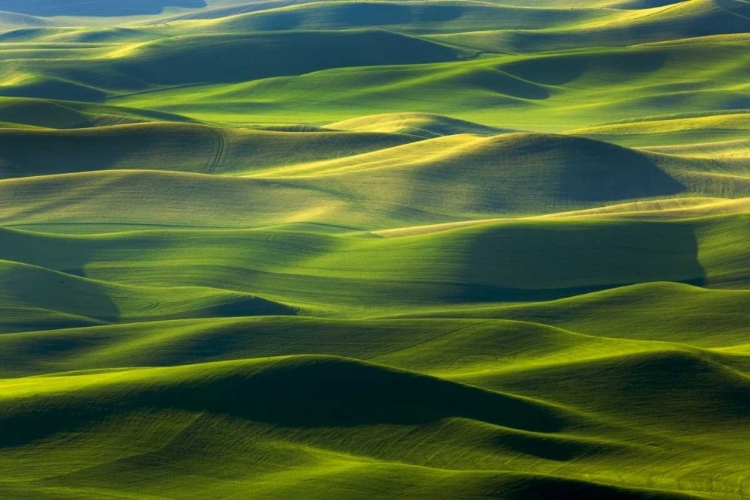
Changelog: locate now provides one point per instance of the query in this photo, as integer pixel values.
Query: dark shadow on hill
(562, 69)
(39, 288)
(660, 389)
(241, 58)
(564, 259)
(42, 113)
(45, 324)
(22, 34)
(577, 171)
(485, 293)
(97, 8)
(347, 16)
(305, 391)
(527, 174)
(597, 172)
(53, 88)
(55, 285)
(56, 114)
(546, 487)
(250, 306)
(26, 154)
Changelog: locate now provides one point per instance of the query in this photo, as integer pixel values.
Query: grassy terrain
(374, 250)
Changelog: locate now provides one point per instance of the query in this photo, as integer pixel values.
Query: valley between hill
(300, 249)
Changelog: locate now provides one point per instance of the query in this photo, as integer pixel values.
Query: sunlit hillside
(360, 250)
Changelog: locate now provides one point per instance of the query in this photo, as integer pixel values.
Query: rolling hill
(374, 249)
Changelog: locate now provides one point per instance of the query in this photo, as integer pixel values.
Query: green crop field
(374, 250)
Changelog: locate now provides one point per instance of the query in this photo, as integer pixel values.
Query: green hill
(172, 147)
(447, 179)
(551, 92)
(315, 249)
(675, 21)
(226, 58)
(423, 125)
(211, 389)
(416, 17)
(50, 8)
(543, 260)
(44, 113)
(13, 20)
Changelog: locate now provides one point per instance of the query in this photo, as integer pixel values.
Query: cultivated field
(354, 250)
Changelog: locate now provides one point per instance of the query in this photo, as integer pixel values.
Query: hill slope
(372, 250)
